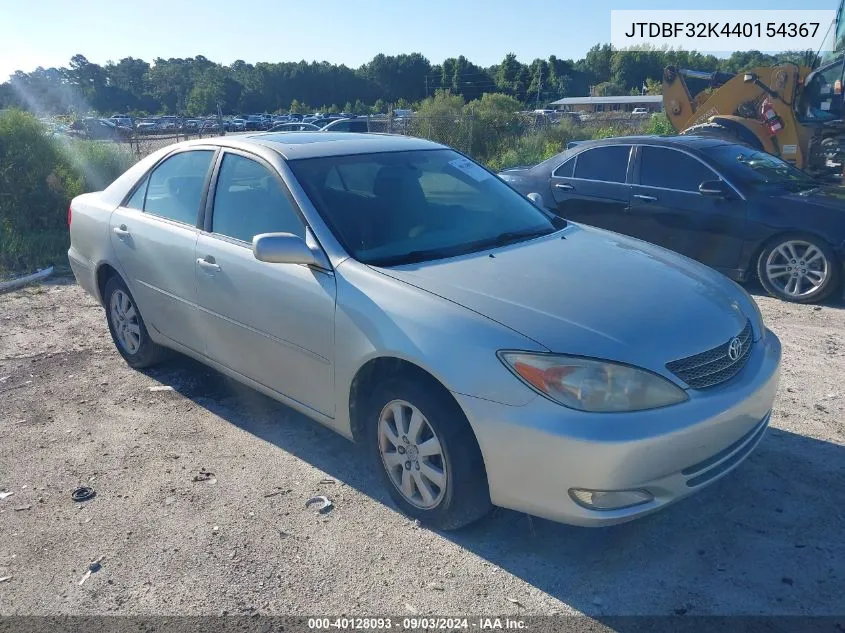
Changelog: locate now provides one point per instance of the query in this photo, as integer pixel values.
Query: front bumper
(536, 453)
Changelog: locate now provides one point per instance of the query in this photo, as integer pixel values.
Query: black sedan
(731, 207)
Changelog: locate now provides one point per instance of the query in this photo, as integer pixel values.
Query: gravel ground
(768, 539)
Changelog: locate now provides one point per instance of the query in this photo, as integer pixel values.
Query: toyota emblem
(734, 349)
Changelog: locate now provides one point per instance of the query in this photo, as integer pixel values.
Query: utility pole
(539, 84)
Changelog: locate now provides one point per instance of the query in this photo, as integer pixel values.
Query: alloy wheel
(797, 268)
(412, 454)
(124, 318)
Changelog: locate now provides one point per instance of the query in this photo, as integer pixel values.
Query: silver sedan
(485, 351)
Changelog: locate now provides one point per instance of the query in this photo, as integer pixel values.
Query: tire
(716, 130)
(818, 276)
(145, 353)
(464, 496)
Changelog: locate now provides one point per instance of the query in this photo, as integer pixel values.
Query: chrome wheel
(797, 268)
(124, 319)
(412, 454)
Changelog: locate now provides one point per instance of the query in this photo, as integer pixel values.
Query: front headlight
(592, 385)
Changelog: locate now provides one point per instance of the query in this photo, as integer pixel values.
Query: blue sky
(349, 32)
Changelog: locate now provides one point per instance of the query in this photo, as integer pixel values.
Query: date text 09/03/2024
(416, 624)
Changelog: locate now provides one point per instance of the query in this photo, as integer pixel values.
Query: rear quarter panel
(90, 246)
(90, 243)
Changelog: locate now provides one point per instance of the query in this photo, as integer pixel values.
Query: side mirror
(282, 248)
(537, 199)
(715, 188)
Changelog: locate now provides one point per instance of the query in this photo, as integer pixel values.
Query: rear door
(273, 323)
(667, 208)
(154, 235)
(592, 187)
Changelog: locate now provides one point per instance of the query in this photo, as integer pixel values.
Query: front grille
(714, 366)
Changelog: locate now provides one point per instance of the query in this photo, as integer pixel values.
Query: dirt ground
(767, 539)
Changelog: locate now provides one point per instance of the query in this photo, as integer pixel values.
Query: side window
(249, 200)
(609, 164)
(136, 200)
(671, 169)
(565, 170)
(175, 187)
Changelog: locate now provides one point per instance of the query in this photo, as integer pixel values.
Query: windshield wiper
(509, 237)
(413, 257)
(502, 239)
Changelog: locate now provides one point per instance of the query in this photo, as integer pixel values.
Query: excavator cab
(795, 112)
(823, 98)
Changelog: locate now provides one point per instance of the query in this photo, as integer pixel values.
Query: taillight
(69, 215)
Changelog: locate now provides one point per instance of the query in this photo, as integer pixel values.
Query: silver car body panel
(301, 334)
(272, 322)
(559, 304)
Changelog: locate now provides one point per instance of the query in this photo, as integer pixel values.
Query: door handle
(564, 186)
(121, 231)
(645, 198)
(208, 263)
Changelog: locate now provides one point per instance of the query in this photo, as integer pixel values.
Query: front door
(667, 209)
(154, 235)
(273, 323)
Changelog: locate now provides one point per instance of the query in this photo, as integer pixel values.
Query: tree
(507, 77)
(208, 91)
(609, 89)
(494, 118)
(196, 84)
(597, 63)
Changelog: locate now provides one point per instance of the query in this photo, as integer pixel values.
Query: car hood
(590, 292)
(829, 197)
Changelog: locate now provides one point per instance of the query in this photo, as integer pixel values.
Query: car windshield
(395, 208)
(759, 170)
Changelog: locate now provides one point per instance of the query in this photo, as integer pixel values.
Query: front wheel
(799, 268)
(427, 454)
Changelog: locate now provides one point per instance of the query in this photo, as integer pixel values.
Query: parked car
(743, 212)
(347, 125)
(210, 125)
(99, 129)
(254, 122)
(122, 120)
(147, 127)
(484, 350)
(293, 127)
(640, 111)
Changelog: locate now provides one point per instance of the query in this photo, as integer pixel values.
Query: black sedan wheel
(799, 268)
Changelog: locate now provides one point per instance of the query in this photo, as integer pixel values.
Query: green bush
(39, 175)
(659, 124)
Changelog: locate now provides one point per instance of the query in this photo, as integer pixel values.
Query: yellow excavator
(796, 112)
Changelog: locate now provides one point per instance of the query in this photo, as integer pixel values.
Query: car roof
(696, 142)
(314, 144)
